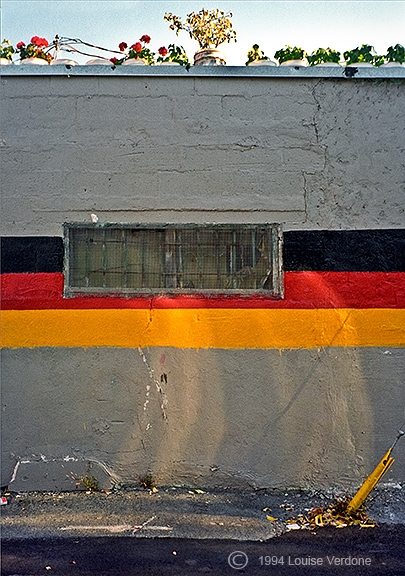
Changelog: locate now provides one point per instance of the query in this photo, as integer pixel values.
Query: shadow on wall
(265, 418)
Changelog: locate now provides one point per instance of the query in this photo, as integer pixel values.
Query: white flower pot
(134, 62)
(361, 65)
(98, 62)
(391, 65)
(63, 61)
(168, 64)
(262, 63)
(293, 63)
(36, 61)
(5, 61)
(209, 57)
(325, 64)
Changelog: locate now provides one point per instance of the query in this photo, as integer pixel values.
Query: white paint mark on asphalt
(116, 528)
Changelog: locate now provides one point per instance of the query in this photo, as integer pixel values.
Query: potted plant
(395, 56)
(256, 57)
(6, 52)
(34, 52)
(172, 55)
(210, 28)
(324, 57)
(361, 56)
(138, 53)
(289, 56)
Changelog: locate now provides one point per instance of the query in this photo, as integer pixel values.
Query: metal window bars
(131, 259)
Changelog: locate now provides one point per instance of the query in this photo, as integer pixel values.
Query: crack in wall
(305, 197)
(162, 394)
(318, 109)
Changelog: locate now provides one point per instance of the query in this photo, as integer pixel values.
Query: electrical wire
(69, 45)
(63, 40)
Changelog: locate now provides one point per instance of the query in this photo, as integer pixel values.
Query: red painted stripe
(302, 290)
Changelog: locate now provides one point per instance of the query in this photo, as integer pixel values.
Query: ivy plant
(289, 53)
(324, 55)
(255, 55)
(364, 53)
(395, 54)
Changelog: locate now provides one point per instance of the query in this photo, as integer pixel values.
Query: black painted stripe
(345, 250)
(31, 254)
(318, 250)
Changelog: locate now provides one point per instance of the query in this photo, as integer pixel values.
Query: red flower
(137, 46)
(40, 42)
(20, 45)
(122, 46)
(163, 51)
(113, 60)
(145, 38)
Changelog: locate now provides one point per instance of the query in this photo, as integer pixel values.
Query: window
(137, 258)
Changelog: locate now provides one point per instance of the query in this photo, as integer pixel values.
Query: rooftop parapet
(335, 72)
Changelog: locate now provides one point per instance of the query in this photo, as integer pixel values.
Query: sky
(272, 24)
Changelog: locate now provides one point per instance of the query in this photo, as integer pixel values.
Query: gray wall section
(309, 152)
(300, 418)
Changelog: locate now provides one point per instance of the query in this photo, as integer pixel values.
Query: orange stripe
(203, 328)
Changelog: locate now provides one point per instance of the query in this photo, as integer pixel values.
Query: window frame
(275, 256)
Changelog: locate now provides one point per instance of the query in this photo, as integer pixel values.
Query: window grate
(132, 259)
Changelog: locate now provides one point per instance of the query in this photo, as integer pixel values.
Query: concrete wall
(308, 152)
(310, 390)
(306, 418)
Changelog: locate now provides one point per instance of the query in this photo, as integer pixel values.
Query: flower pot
(361, 65)
(262, 63)
(327, 64)
(36, 61)
(134, 62)
(168, 64)
(63, 61)
(5, 61)
(293, 63)
(98, 62)
(209, 57)
(391, 65)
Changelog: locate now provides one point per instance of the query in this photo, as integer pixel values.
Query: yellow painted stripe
(203, 328)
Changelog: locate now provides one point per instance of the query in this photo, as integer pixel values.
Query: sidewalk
(176, 512)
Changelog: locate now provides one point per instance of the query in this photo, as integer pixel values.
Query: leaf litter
(335, 515)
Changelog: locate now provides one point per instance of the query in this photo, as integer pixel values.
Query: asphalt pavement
(353, 551)
(179, 530)
(177, 512)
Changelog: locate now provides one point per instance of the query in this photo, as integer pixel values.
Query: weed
(147, 481)
(90, 483)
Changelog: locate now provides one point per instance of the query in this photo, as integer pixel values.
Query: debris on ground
(141, 526)
(3, 501)
(336, 515)
(345, 511)
(294, 526)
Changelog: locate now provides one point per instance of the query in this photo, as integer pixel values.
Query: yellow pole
(370, 482)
